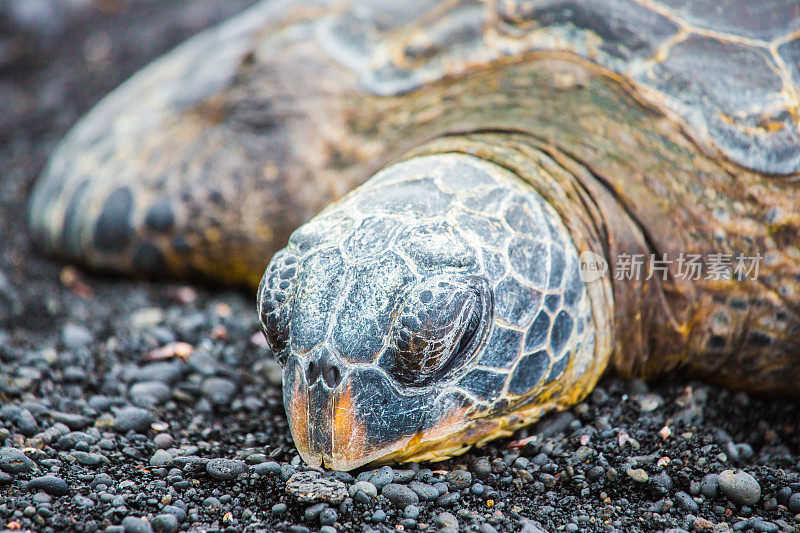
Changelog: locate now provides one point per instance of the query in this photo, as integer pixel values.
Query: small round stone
(403, 476)
(482, 467)
(381, 477)
(133, 418)
(361, 497)
(312, 511)
(76, 337)
(709, 486)
(637, 474)
(149, 393)
(365, 486)
(256, 459)
(163, 441)
(328, 516)
(50, 484)
(448, 499)
(662, 482)
(400, 495)
(219, 391)
(412, 511)
(686, 502)
(424, 490)
(458, 479)
(160, 459)
(133, 524)
(22, 419)
(165, 523)
(762, 526)
(225, 469)
(89, 459)
(177, 512)
(793, 503)
(14, 461)
(447, 520)
(269, 468)
(740, 487)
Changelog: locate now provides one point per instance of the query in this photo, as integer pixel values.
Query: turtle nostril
(331, 375)
(312, 373)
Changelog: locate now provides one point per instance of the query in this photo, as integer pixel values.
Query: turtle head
(395, 317)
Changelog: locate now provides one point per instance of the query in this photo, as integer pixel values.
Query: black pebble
(49, 484)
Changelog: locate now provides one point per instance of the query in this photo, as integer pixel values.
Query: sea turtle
(558, 187)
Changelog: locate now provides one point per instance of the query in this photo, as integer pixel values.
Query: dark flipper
(201, 164)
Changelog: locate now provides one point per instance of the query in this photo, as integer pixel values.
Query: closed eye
(470, 331)
(422, 353)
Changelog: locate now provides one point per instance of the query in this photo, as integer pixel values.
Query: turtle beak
(342, 425)
(359, 417)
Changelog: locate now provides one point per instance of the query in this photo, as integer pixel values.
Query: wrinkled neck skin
(438, 306)
(631, 181)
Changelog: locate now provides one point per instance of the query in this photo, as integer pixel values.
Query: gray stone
(424, 490)
(365, 486)
(709, 487)
(225, 469)
(163, 441)
(794, 503)
(164, 371)
(165, 523)
(133, 524)
(686, 502)
(400, 495)
(133, 418)
(309, 487)
(13, 461)
(22, 419)
(458, 479)
(90, 459)
(381, 477)
(149, 393)
(448, 520)
(219, 391)
(76, 337)
(73, 421)
(160, 459)
(637, 474)
(50, 484)
(740, 487)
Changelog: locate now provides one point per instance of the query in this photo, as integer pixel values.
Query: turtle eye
(437, 330)
(275, 297)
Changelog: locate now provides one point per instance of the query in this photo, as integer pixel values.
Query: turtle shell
(728, 70)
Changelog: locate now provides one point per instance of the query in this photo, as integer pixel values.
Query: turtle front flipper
(204, 162)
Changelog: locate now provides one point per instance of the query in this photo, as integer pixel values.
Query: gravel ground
(139, 406)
